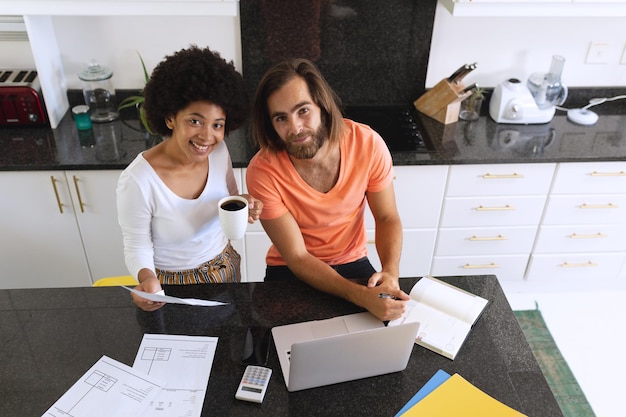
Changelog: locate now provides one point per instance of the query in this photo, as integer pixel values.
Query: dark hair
(321, 93)
(194, 74)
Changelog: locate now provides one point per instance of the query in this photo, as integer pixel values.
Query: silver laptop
(344, 348)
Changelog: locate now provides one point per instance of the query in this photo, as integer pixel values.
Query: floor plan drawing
(153, 354)
(108, 388)
(184, 362)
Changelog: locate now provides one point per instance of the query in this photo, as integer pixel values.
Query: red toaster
(21, 101)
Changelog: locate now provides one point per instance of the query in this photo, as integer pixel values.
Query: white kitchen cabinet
(59, 229)
(586, 208)
(582, 239)
(256, 244)
(499, 180)
(95, 204)
(417, 249)
(419, 194)
(492, 211)
(505, 267)
(492, 240)
(532, 8)
(590, 178)
(490, 218)
(575, 271)
(239, 244)
(120, 7)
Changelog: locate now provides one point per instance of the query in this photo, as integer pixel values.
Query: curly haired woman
(167, 197)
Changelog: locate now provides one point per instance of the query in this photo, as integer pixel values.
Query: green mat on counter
(560, 378)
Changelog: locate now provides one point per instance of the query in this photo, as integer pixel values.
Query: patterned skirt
(224, 268)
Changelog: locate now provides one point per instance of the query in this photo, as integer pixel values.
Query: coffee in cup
(233, 214)
(233, 205)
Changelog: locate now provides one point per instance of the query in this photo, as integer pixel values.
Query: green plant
(137, 101)
(475, 100)
(471, 104)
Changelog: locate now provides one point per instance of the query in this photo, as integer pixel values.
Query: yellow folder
(458, 397)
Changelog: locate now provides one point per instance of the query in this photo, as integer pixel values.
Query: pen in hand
(385, 295)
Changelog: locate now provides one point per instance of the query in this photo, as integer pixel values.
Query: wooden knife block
(442, 102)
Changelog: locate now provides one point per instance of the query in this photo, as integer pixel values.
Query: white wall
(16, 55)
(506, 47)
(115, 41)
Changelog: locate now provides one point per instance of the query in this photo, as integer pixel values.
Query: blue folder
(439, 378)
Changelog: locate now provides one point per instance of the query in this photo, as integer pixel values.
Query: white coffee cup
(233, 212)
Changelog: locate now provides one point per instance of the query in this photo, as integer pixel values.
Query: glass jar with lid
(99, 92)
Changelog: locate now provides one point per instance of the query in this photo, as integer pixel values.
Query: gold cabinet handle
(579, 265)
(587, 236)
(491, 265)
(608, 174)
(489, 176)
(56, 193)
(598, 206)
(80, 199)
(371, 242)
(483, 208)
(479, 238)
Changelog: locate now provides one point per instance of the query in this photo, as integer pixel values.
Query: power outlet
(598, 53)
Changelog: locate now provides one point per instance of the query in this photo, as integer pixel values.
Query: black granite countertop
(51, 337)
(114, 145)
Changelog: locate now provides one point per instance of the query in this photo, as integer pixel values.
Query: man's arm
(286, 236)
(388, 235)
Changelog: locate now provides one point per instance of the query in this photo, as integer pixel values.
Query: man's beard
(308, 150)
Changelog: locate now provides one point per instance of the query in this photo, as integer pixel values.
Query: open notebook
(344, 348)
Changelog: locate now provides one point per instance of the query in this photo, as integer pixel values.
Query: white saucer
(582, 116)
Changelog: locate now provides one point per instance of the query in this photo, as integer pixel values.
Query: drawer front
(492, 211)
(505, 267)
(500, 179)
(581, 238)
(599, 267)
(419, 195)
(485, 241)
(586, 209)
(590, 178)
(417, 252)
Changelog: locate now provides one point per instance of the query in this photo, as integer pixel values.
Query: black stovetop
(398, 125)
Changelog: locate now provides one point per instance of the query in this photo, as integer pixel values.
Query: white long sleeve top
(163, 230)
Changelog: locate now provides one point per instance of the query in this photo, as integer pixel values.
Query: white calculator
(253, 383)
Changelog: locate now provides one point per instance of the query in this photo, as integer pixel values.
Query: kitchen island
(51, 337)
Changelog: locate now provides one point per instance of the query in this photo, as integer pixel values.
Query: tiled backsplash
(371, 52)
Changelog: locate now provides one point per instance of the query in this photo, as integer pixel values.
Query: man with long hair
(314, 173)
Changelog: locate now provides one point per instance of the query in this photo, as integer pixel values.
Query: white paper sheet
(162, 298)
(184, 362)
(108, 389)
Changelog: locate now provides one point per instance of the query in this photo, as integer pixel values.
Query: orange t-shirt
(332, 224)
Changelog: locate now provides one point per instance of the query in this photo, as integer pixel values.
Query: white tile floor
(590, 330)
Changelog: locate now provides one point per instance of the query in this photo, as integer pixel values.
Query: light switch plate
(598, 53)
